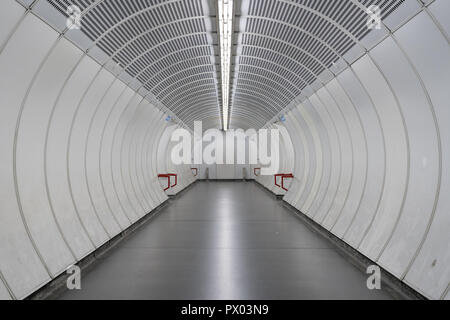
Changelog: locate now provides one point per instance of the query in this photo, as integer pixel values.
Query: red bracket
(283, 176)
(196, 171)
(168, 175)
(254, 171)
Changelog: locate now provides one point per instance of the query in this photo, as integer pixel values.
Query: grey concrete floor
(224, 240)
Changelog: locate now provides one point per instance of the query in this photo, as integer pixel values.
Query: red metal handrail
(168, 175)
(286, 176)
(283, 176)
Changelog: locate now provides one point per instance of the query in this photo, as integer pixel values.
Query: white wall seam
(57, 100)
(139, 128)
(367, 158)
(120, 146)
(129, 133)
(122, 218)
(126, 87)
(384, 154)
(145, 123)
(144, 158)
(339, 145)
(13, 30)
(436, 22)
(310, 122)
(69, 145)
(408, 153)
(311, 160)
(325, 181)
(86, 148)
(305, 148)
(350, 139)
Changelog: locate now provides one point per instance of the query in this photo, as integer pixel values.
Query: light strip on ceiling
(226, 38)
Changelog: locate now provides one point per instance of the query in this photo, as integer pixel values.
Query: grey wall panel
(78, 147)
(61, 191)
(424, 157)
(432, 60)
(346, 149)
(106, 160)
(396, 157)
(359, 158)
(20, 263)
(375, 157)
(92, 157)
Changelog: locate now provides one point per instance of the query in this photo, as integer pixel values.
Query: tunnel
(224, 149)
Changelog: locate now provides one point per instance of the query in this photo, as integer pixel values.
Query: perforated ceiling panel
(281, 48)
(285, 45)
(165, 44)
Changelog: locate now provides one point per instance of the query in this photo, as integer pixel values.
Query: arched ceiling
(280, 48)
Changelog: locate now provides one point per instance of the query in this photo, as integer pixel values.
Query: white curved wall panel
(346, 151)
(375, 157)
(77, 152)
(358, 161)
(31, 176)
(21, 263)
(336, 159)
(309, 112)
(382, 129)
(423, 157)
(432, 61)
(106, 156)
(63, 187)
(81, 151)
(311, 169)
(396, 147)
(78, 147)
(302, 166)
(119, 161)
(318, 163)
(92, 158)
(296, 160)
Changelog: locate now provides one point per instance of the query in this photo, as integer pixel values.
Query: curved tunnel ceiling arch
(282, 45)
